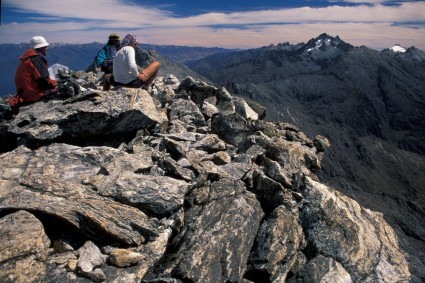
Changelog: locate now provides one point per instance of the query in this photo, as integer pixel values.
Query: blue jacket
(106, 54)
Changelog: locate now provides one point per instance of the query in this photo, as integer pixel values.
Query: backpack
(16, 100)
(67, 85)
(6, 111)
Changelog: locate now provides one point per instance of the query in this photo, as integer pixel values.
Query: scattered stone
(124, 258)
(72, 265)
(89, 257)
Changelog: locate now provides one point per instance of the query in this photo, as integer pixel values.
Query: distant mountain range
(80, 56)
(370, 105)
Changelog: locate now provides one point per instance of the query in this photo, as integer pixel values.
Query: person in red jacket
(32, 75)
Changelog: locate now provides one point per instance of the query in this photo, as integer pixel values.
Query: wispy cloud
(102, 10)
(375, 25)
(371, 2)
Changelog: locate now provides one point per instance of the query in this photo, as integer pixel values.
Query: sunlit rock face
(183, 183)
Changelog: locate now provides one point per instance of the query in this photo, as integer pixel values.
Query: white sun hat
(38, 42)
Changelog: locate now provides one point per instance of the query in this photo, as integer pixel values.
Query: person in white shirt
(125, 70)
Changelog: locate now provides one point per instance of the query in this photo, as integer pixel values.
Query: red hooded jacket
(32, 77)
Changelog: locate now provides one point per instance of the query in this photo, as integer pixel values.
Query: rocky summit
(184, 183)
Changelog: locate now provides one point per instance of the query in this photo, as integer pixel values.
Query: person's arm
(132, 65)
(101, 56)
(42, 78)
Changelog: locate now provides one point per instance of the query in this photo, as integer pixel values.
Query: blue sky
(230, 24)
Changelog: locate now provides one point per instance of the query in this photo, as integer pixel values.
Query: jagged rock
(217, 236)
(210, 143)
(153, 252)
(260, 110)
(364, 103)
(96, 275)
(90, 257)
(183, 162)
(164, 95)
(170, 79)
(186, 136)
(124, 258)
(143, 154)
(218, 158)
(176, 149)
(157, 195)
(198, 90)
(271, 193)
(167, 80)
(90, 114)
(178, 169)
(208, 109)
(293, 157)
(186, 111)
(72, 265)
(162, 280)
(206, 167)
(239, 170)
(89, 260)
(242, 107)
(322, 269)
(232, 128)
(198, 188)
(26, 236)
(225, 103)
(48, 181)
(23, 248)
(357, 238)
(63, 258)
(275, 171)
(143, 258)
(278, 241)
(321, 143)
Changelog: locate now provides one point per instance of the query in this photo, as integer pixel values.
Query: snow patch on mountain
(398, 49)
(319, 43)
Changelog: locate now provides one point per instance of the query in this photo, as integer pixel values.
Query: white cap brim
(40, 45)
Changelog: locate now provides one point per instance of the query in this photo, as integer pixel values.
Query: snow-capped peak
(319, 44)
(398, 49)
(324, 43)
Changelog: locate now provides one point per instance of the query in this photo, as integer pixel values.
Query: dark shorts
(106, 69)
(133, 84)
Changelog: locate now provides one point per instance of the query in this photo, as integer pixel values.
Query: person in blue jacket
(106, 55)
(105, 58)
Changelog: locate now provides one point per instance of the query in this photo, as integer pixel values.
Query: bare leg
(106, 82)
(150, 73)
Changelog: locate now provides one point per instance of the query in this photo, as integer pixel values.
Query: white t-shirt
(125, 67)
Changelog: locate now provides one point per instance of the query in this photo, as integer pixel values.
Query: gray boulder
(90, 114)
(358, 238)
(24, 248)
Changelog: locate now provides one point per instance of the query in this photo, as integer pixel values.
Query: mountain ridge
(368, 103)
(80, 56)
